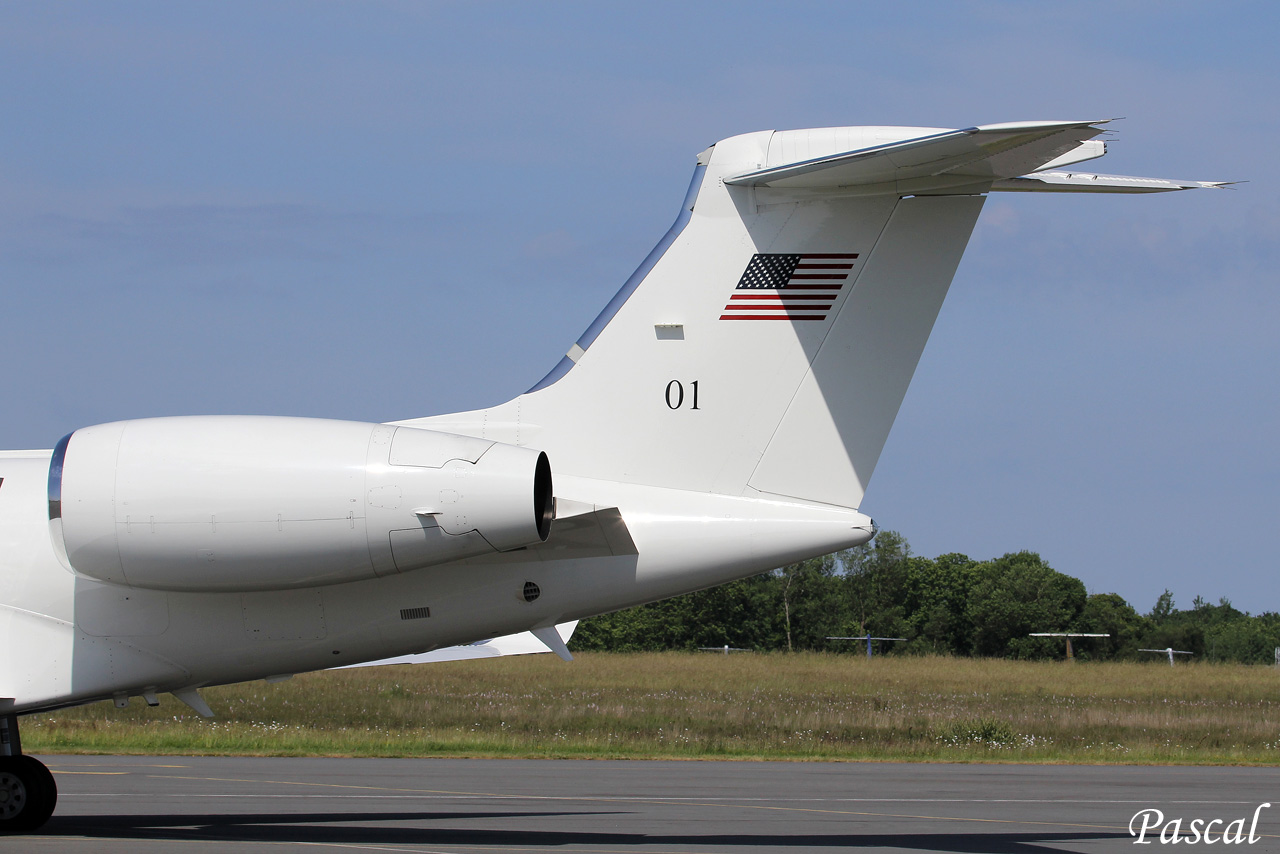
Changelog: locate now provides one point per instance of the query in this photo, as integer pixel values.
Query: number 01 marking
(676, 397)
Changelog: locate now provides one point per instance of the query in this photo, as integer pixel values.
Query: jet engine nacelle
(262, 503)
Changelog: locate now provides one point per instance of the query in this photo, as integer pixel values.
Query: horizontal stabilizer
(1083, 182)
(941, 161)
(523, 643)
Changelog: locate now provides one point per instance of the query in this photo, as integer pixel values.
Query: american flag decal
(789, 287)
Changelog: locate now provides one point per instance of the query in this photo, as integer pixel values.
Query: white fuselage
(90, 640)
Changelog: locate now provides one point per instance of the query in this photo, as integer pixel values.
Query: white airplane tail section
(766, 344)
(721, 417)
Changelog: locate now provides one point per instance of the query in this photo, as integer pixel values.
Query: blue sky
(387, 209)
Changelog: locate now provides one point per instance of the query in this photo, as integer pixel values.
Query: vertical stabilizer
(830, 438)
(765, 345)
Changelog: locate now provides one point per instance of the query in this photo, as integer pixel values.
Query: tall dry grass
(803, 706)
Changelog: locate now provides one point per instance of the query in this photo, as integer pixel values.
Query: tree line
(950, 605)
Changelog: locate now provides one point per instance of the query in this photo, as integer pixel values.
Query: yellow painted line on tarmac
(108, 765)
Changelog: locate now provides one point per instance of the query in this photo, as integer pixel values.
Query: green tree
(875, 583)
(1163, 609)
(740, 613)
(809, 596)
(936, 603)
(1017, 594)
(817, 608)
(1109, 613)
(1249, 640)
(1192, 629)
(948, 604)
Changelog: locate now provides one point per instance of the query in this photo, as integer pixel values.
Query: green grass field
(695, 706)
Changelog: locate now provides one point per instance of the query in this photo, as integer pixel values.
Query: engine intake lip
(55, 476)
(544, 502)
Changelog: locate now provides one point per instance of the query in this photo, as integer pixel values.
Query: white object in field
(1169, 651)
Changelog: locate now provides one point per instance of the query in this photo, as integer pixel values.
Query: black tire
(45, 781)
(28, 794)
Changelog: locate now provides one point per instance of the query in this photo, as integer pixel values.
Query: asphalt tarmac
(140, 805)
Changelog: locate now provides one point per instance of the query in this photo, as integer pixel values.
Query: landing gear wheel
(28, 794)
